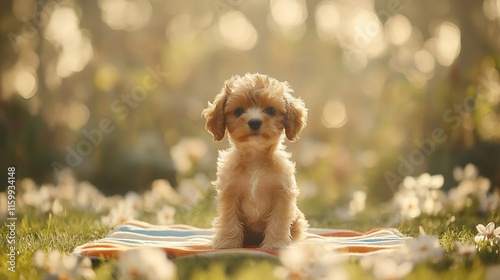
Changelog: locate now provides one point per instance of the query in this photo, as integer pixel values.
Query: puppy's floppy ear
(295, 116)
(214, 113)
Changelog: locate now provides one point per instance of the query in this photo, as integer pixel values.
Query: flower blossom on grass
(66, 195)
(58, 266)
(418, 195)
(45, 199)
(466, 252)
(165, 216)
(161, 193)
(424, 247)
(89, 198)
(409, 204)
(488, 242)
(422, 194)
(471, 189)
(146, 264)
(69, 194)
(310, 260)
(400, 262)
(487, 233)
(424, 182)
(468, 173)
(124, 211)
(358, 203)
(491, 202)
(387, 267)
(191, 191)
(187, 153)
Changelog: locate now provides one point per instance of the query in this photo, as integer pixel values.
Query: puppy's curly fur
(256, 187)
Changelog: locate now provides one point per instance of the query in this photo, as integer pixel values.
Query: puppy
(256, 187)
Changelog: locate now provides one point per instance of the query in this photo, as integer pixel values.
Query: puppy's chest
(257, 190)
(257, 179)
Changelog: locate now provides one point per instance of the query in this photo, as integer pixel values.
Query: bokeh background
(113, 89)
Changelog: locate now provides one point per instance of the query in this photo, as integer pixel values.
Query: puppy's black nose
(254, 124)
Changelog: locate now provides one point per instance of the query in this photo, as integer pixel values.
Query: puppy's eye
(238, 112)
(271, 111)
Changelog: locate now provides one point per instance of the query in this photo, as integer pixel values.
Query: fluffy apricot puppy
(256, 187)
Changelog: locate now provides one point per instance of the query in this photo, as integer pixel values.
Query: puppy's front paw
(227, 243)
(275, 244)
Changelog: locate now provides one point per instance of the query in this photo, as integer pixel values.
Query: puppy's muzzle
(254, 124)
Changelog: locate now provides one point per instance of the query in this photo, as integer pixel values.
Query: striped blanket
(183, 240)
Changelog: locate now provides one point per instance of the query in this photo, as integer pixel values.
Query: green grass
(62, 233)
(47, 232)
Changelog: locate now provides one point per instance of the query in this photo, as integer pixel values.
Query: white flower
(133, 200)
(471, 187)
(469, 172)
(466, 251)
(166, 215)
(433, 202)
(310, 260)
(458, 199)
(419, 195)
(145, 263)
(424, 247)
(29, 192)
(45, 199)
(49, 200)
(58, 266)
(56, 207)
(161, 193)
(150, 201)
(408, 203)
(491, 203)
(126, 209)
(424, 181)
(192, 190)
(486, 233)
(387, 266)
(357, 204)
(66, 188)
(163, 189)
(188, 152)
(88, 197)
(120, 214)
